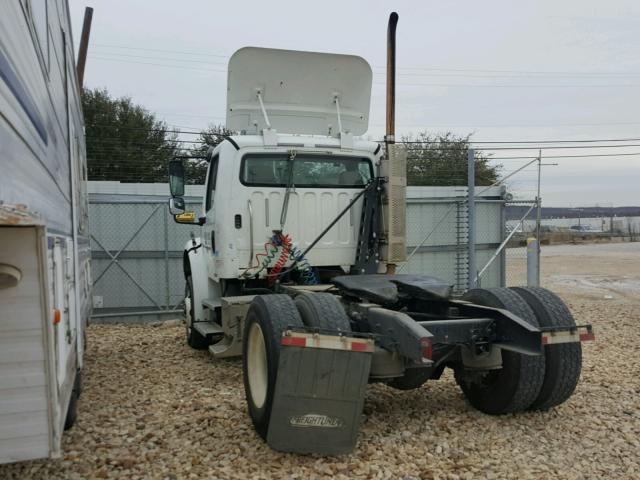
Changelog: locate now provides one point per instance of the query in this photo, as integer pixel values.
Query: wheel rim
(187, 311)
(188, 320)
(257, 365)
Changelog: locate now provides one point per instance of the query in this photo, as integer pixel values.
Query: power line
(106, 125)
(436, 69)
(537, 147)
(569, 156)
(113, 148)
(433, 73)
(508, 125)
(158, 64)
(559, 141)
(159, 58)
(405, 84)
(527, 72)
(494, 85)
(442, 148)
(428, 142)
(160, 50)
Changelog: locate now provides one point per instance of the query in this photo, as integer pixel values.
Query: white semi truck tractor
(302, 224)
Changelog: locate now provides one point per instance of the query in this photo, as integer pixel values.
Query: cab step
(208, 329)
(211, 303)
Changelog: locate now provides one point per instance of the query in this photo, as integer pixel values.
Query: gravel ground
(153, 408)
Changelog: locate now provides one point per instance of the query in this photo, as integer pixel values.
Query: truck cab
(245, 204)
(267, 191)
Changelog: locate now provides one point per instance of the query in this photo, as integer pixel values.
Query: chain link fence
(521, 231)
(136, 251)
(438, 234)
(137, 247)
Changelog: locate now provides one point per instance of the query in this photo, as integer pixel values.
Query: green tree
(441, 160)
(125, 141)
(196, 167)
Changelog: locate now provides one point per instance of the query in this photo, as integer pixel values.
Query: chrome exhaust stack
(394, 169)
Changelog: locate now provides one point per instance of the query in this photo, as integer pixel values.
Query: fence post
(503, 235)
(471, 217)
(538, 219)
(167, 278)
(533, 263)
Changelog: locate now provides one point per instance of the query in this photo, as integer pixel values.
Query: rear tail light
(426, 348)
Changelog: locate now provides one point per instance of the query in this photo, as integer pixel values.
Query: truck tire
(267, 318)
(516, 385)
(194, 338)
(72, 409)
(413, 378)
(563, 362)
(322, 310)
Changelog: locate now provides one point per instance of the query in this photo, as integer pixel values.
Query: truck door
(208, 230)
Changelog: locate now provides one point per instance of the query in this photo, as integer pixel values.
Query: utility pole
(84, 45)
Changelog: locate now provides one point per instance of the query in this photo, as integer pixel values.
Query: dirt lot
(153, 408)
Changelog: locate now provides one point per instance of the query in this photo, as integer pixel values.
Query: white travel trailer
(44, 243)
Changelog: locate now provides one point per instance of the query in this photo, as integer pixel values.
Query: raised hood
(298, 90)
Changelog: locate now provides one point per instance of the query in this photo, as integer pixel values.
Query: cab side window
(211, 182)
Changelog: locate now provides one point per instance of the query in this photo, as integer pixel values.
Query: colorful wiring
(285, 242)
(288, 251)
(307, 273)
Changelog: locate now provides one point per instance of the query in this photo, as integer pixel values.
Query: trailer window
(308, 171)
(37, 13)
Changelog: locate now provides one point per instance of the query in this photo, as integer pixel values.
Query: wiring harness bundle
(288, 251)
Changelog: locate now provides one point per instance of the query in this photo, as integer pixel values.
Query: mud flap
(319, 394)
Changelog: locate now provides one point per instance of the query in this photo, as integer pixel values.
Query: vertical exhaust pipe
(394, 168)
(390, 136)
(391, 78)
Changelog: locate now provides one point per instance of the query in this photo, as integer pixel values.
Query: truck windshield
(308, 170)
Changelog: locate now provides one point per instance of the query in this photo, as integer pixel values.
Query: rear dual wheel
(516, 385)
(525, 382)
(268, 317)
(563, 362)
(322, 310)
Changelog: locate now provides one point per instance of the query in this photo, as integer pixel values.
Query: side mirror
(177, 209)
(176, 205)
(176, 179)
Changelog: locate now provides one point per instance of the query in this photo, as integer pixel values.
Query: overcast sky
(504, 71)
